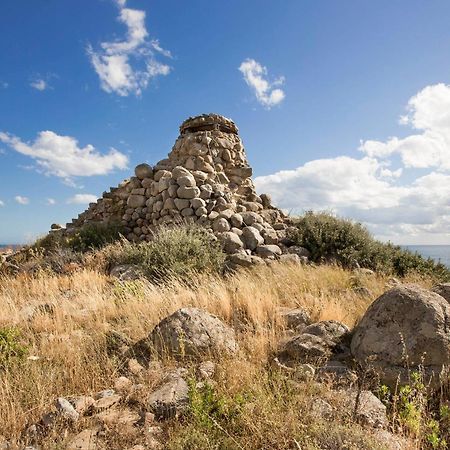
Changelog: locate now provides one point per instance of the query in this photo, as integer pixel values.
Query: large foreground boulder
(192, 332)
(406, 327)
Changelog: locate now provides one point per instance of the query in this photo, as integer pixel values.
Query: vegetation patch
(178, 252)
(347, 243)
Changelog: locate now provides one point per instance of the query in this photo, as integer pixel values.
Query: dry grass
(71, 341)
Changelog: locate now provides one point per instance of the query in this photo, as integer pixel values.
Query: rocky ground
(283, 356)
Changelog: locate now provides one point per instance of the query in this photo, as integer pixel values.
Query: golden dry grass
(70, 342)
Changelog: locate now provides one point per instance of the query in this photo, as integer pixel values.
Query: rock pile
(205, 180)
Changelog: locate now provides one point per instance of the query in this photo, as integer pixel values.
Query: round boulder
(405, 328)
(143, 171)
(193, 332)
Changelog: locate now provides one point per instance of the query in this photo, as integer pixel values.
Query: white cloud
(63, 157)
(126, 67)
(22, 200)
(255, 75)
(51, 201)
(82, 199)
(2, 203)
(429, 113)
(39, 84)
(404, 204)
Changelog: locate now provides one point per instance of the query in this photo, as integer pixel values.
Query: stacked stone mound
(206, 180)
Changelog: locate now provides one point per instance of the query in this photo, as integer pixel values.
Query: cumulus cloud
(255, 75)
(429, 114)
(82, 199)
(51, 201)
(126, 66)
(2, 203)
(22, 200)
(400, 203)
(63, 157)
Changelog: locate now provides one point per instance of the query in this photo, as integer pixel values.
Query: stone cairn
(205, 180)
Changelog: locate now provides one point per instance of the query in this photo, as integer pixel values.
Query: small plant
(10, 346)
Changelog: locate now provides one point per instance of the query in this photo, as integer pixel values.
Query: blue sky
(341, 105)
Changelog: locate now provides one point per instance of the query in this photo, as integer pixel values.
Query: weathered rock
(231, 242)
(290, 259)
(171, 398)
(192, 332)
(443, 289)
(143, 171)
(86, 440)
(82, 403)
(66, 410)
(268, 251)
(221, 225)
(295, 319)
(206, 369)
(368, 408)
(251, 238)
(317, 341)
(136, 201)
(406, 321)
(188, 192)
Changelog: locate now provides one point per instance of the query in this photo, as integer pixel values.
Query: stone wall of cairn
(206, 180)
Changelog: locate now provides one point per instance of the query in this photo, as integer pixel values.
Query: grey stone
(188, 192)
(181, 203)
(237, 220)
(66, 410)
(171, 398)
(220, 225)
(295, 319)
(369, 409)
(250, 218)
(136, 201)
(443, 289)
(231, 242)
(192, 332)
(143, 171)
(406, 320)
(268, 251)
(251, 238)
(187, 181)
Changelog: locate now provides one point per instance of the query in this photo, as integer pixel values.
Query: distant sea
(440, 253)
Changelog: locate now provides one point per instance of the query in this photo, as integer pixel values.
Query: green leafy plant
(10, 346)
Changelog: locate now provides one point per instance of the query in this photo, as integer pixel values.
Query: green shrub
(342, 241)
(173, 253)
(10, 346)
(89, 237)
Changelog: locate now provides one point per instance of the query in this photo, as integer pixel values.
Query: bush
(94, 235)
(173, 253)
(334, 239)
